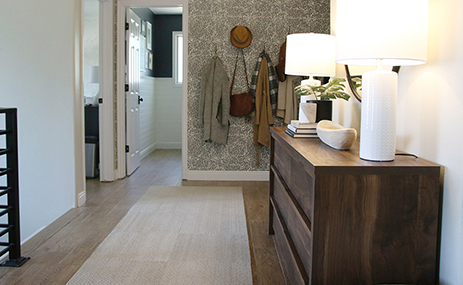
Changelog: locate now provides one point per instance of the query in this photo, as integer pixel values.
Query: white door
(132, 95)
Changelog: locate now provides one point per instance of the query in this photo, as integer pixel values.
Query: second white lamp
(310, 54)
(377, 32)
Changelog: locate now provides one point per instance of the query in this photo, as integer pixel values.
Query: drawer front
(286, 253)
(299, 227)
(296, 176)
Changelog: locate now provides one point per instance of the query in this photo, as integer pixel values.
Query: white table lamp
(310, 54)
(378, 32)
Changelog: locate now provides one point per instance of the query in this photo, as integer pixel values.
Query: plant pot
(324, 109)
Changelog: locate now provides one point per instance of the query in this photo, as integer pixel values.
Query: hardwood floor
(59, 250)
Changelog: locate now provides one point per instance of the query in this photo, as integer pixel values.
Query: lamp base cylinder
(378, 119)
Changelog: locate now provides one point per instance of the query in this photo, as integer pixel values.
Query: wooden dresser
(338, 219)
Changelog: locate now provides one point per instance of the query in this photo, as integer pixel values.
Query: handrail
(13, 246)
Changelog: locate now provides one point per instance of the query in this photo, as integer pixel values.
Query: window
(178, 57)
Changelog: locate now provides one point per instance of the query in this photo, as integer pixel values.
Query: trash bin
(92, 147)
(91, 158)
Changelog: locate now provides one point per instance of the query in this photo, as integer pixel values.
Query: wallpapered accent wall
(210, 22)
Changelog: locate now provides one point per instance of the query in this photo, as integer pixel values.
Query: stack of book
(302, 130)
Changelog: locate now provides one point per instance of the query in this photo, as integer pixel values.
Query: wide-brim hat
(240, 36)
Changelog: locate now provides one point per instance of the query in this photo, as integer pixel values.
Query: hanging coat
(272, 80)
(288, 106)
(214, 109)
(263, 117)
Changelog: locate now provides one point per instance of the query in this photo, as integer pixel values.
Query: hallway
(59, 250)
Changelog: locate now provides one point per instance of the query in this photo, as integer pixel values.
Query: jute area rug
(175, 235)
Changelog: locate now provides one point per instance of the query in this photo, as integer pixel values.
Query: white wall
(160, 115)
(430, 122)
(168, 115)
(37, 77)
(346, 113)
(147, 115)
(91, 44)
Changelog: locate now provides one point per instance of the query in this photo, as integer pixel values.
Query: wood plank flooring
(60, 249)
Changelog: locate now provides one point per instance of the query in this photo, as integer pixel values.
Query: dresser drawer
(287, 254)
(334, 208)
(296, 176)
(299, 226)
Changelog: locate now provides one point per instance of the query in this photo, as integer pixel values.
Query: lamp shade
(392, 30)
(310, 54)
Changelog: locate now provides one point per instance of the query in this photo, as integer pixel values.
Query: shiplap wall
(147, 115)
(160, 115)
(168, 114)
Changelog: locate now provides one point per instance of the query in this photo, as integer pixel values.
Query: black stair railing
(11, 190)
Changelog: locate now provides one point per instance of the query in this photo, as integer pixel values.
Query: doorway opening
(154, 97)
(90, 44)
(170, 132)
(165, 111)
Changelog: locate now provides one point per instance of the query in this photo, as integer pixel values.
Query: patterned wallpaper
(210, 22)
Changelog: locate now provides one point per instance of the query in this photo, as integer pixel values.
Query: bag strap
(234, 72)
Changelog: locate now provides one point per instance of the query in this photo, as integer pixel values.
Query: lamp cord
(407, 154)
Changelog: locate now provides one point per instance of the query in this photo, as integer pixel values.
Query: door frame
(78, 106)
(112, 116)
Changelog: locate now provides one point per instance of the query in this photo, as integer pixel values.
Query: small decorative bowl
(335, 135)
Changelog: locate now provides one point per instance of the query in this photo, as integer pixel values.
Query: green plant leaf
(332, 90)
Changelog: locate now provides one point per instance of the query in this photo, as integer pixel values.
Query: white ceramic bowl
(335, 135)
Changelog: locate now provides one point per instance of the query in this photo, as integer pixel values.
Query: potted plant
(322, 94)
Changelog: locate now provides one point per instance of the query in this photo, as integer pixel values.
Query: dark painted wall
(162, 28)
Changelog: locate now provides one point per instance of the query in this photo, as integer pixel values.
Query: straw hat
(240, 36)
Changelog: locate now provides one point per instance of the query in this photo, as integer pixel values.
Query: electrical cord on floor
(407, 154)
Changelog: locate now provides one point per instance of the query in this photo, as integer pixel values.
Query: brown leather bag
(241, 104)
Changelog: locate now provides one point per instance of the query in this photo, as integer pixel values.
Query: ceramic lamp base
(378, 120)
(307, 111)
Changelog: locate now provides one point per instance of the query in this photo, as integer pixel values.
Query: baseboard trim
(144, 153)
(81, 199)
(3, 257)
(227, 175)
(169, 145)
(175, 145)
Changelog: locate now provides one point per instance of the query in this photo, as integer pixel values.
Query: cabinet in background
(338, 219)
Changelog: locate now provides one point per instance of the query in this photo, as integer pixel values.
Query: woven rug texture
(175, 235)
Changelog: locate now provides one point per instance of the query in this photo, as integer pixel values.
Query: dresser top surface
(318, 154)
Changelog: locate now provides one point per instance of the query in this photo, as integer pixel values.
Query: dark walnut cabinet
(338, 219)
